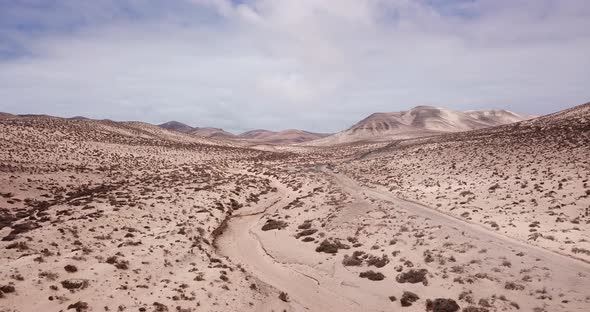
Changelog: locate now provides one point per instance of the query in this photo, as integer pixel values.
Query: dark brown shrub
(332, 247)
(274, 225)
(74, 284)
(284, 296)
(408, 298)
(413, 276)
(475, 309)
(378, 262)
(305, 225)
(80, 306)
(513, 286)
(442, 305)
(306, 233)
(372, 275)
(7, 289)
(71, 268)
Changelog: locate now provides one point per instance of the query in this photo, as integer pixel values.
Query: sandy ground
(103, 216)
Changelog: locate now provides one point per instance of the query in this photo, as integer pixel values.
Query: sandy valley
(127, 216)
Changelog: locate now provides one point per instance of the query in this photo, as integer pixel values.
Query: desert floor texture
(126, 216)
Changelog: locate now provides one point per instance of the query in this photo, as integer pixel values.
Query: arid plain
(128, 216)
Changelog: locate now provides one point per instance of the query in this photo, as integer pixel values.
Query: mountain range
(420, 121)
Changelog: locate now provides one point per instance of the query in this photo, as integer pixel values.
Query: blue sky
(311, 64)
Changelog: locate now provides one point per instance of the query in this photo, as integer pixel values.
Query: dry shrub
(413, 276)
(372, 275)
(442, 305)
(408, 298)
(274, 225)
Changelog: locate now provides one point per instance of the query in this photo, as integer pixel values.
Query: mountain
(209, 132)
(290, 136)
(176, 126)
(419, 121)
(497, 117)
(256, 134)
(6, 115)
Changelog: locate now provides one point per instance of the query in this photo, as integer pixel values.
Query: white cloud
(319, 65)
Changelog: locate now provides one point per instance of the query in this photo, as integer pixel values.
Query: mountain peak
(420, 121)
(176, 126)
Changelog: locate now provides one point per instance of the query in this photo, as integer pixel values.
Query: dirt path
(567, 266)
(307, 290)
(311, 288)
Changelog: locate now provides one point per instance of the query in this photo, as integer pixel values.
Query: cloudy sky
(319, 65)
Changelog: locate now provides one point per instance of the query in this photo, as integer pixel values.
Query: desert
(116, 216)
(294, 156)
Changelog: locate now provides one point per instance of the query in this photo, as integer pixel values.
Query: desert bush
(71, 268)
(305, 225)
(306, 233)
(475, 309)
(413, 276)
(408, 298)
(74, 284)
(20, 246)
(7, 289)
(160, 307)
(372, 275)
(351, 261)
(577, 250)
(284, 296)
(274, 225)
(378, 261)
(331, 246)
(442, 305)
(513, 286)
(49, 275)
(80, 306)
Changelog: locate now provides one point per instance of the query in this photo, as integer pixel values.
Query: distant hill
(259, 136)
(290, 136)
(208, 132)
(6, 115)
(419, 121)
(176, 126)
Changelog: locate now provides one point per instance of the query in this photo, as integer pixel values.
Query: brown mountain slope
(420, 121)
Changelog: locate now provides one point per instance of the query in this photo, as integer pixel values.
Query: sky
(318, 65)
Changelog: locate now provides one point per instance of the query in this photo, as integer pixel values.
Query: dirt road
(314, 288)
